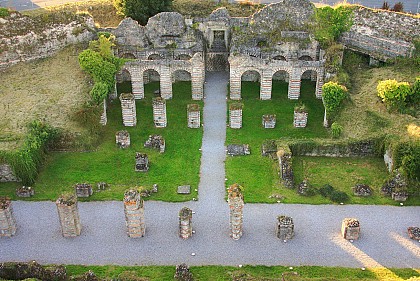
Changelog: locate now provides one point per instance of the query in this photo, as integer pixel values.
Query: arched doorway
(280, 58)
(151, 80)
(183, 57)
(309, 82)
(280, 83)
(250, 84)
(305, 58)
(181, 83)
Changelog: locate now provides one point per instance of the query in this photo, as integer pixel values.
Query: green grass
(179, 165)
(258, 174)
(246, 272)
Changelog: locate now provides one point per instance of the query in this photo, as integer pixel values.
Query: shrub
(339, 196)
(142, 10)
(326, 190)
(414, 97)
(393, 93)
(99, 92)
(398, 7)
(333, 95)
(407, 158)
(336, 130)
(385, 6)
(4, 12)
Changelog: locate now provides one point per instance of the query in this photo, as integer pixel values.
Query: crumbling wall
(24, 38)
(6, 173)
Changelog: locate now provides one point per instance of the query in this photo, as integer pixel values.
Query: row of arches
(156, 56)
(301, 58)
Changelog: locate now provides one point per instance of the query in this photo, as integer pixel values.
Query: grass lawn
(179, 165)
(246, 273)
(258, 174)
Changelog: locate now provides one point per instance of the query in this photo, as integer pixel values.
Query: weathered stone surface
(193, 113)
(122, 139)
(69, 215)
(184, 189)
(159, 112)
(285, 164)
(156, 142)
(235, 115)
(165, 28)
(285, 228)
(134, 214)
(300, 119)
(350, 229)
(25, 191)
(130, 33)
(6, 173)
(362, 190)
(185, 223)
(269, 147)
(32, 269)
(83, 190)
(182, 273)
(394, 185)
(238, 149)
(305, 188)
(128, 108)
(414, 232)
(7, 220)
(236, 205)
(269, 121)
(142, 162)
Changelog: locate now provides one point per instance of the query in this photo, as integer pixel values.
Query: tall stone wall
(6, 173)
(24, 38)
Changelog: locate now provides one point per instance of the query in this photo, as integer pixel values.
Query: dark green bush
(336, 130)
(142, 10)
(333, 95)
(4, 12)
(326, 190)
(339, 196)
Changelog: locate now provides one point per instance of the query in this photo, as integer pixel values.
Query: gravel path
(317, 241)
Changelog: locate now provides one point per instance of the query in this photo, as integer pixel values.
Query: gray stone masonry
(193, 112)
(235, 115)
(134, 214)
(69, 215)
(350, 229)
(269, 121)
(128, 108)
(300, 119)
(6, 173)
(7, 221)
(25, 191)
(83, 190)
(142, 162)
(185, 223)
(156, 142)
(285, 228)
(414, 232)
(104, 119)
(236, 205)
(122, 139)
(159, 112)
(285, 166)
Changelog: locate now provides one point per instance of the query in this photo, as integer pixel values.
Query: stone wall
(6, 173)
(68, 213)
(24, 38)
(7, 221)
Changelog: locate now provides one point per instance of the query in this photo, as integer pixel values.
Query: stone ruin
(269, 121)
(185, 223)
(193, 112)
(184, 189)
(7, 220)
(182, 273)
(69, 215)
(300, 118)
(156, 142)
(305, 188)
(122, 139)
(238, 149)
(350, 229)
(32, 269)
(83, 190)
(128, 107)
(362, 190)
(396, 187)
(235, 115)
(285, 228)
(284, 156)
(25, 191)
(414, 232)
(269, 148)
(6, 173)
(134, 214)
(236, 205)
(102, 186)
(142, 162)
(159, 112)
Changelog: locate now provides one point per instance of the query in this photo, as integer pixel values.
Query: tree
(385, 6)
(398, 7)
(333, 95)
(142, 10)
(393, 93)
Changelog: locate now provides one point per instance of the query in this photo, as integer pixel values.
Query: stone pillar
(128, 108)
(266, 85)
(300, 119)
(159, 112)
(235, 84)
(193, 113)
(122, 139)
(285, 165)
(104, 118)
(235, 115)
(69, 215)
(137, 85)
(7, 221)
(134, 214)
(350, 229)
(185, 223)
(294, 84)
(319, 84)
(285, 228)
(197, 76)
(236, 205)
(165, 83)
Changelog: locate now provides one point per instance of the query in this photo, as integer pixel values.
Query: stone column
(104, 118)
(285, 228)
(159, 112)
(193, 113)
(165, 83)
(319, 84)
(236, 205)
(285, 165)
(197, 76)
(69, 215)
(128, 108)
(350, 229)
(235, 84)
(137, 85)
(294, 84)
(235, 115)
(266, 85)
(134, 214)
(185, 223)
(7, 221)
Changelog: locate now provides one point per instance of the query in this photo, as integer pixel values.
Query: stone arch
(151, 75)
(313, 74)
(305, 58)
(183, 57)
(128, 56)
(252, 75)
(155, 56)
(281, 74)
(182, 75)
(280, 57)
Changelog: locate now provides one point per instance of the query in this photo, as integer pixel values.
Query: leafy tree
(385, 6)
(330, 23)
(393, 93)
(333, 95)
(142, 10)
(398, 7)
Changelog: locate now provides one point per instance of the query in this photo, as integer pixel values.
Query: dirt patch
(49, 89)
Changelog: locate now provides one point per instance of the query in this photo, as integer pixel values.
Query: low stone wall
(24, 38)
(6, 173)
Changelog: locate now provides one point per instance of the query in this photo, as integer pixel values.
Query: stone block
(285, 228)
(350, 229)
(185, 223)
(414, 232)
(122, 139)
(25, 191)
(83, 190)
(128, 108)
(159, 112)
(236, 205)
(362, 190)
(156, 142)
(399, 196)
(193, 112)
(300, 119)
(7, 220)
(142, 162)
(238, 149)
(184, 189)
(269, 121)
(235, 115)
(134, 214)
(69, 215)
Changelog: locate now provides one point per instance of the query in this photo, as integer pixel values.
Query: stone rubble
(185, 223)
(142, 162)
(238, 149)
(83, 190)
(156, 142)
(182, 273)
(350, 229)
(25, 191)
(122, 139)
(269, 121)
(362, 190)
(7, 220)
(414, 232)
